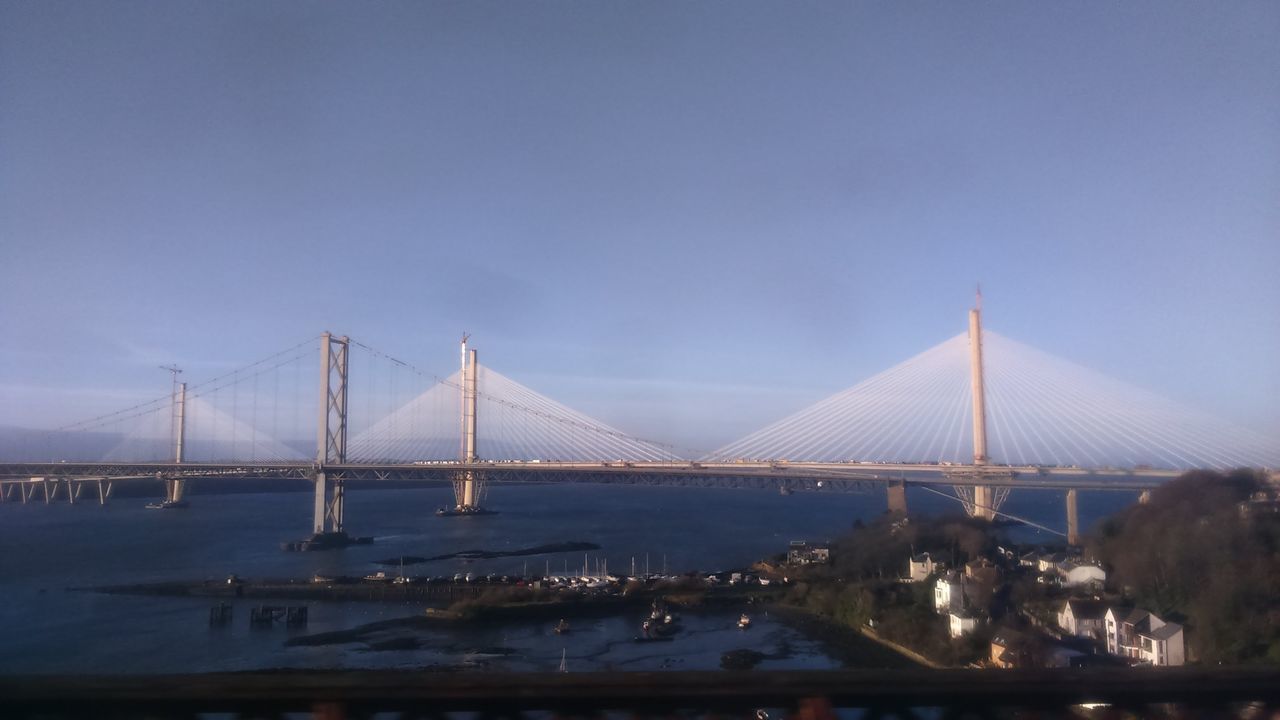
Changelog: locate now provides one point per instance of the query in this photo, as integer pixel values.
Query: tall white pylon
(468, 487)
(983, 502)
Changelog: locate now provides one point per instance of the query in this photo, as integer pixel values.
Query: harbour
(122, 543)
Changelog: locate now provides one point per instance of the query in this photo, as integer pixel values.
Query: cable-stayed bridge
(978, 412)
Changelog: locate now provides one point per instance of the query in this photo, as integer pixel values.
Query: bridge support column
(897, 496)
(104, 488)
(48, 496)
(982, 503)
(1073, 518)
(174, 489)
(468, 485)
(331, 446)
(73, 490)
(327, 517)
(1144, 497)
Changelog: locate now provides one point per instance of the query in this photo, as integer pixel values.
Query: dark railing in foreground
(809, 695)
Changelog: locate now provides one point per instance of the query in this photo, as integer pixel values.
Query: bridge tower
(331, 433)
(469, 485)
(981, 493)
(979, 500)
(175, 487)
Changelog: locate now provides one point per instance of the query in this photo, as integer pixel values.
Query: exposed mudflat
(569, 546)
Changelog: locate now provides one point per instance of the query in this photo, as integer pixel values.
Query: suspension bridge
(979, 413)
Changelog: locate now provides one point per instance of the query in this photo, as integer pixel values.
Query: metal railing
(806, 695)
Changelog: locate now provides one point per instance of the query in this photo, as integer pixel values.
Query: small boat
(379, 576)
(562, 627)
(744, 622)
(167, 505)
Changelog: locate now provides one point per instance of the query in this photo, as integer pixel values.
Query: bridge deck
(835, 476)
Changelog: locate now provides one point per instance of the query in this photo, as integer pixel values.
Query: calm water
(44, 550)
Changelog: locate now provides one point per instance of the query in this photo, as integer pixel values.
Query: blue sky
(687, 219)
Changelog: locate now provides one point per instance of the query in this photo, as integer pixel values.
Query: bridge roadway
(834, 477)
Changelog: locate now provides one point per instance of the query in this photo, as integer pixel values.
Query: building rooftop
(1085, 609)
(1164, 632)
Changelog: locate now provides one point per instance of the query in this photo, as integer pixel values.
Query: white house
(921, 567)
(1074, 575)
(1141, 637)
(1050, 563)
(961, 623)
(948, 594)
(1083, 618)
(803, 553)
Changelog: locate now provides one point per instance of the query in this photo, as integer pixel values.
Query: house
(1140, 637)
(1083, 618)
(1030, 559)
(1050, 563)
(948, 593)
(803, 553)
(1014, 649)
(1082, 575)
(982, 571)
(1006, 646)
(961, 623)
(920, 567)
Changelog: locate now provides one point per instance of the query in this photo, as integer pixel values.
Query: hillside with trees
(1204, 551)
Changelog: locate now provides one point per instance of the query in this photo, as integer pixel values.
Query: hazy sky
(685, 218)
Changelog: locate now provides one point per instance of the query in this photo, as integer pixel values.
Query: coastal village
(975, 599)
(1188, 577)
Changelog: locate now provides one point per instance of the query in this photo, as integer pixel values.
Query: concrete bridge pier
(1073, 518)
(897, 496)
(327, 517)
(174, 489)
(104, 490)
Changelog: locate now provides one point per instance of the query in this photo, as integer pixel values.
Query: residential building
(948, 593)
(1083, 618)
(961, 623)
(920, 567)
(982, 571)
(1140, 637)
(1050, 563)
(1082, 575)
(1014, 649)
(803, 553)
(1006, 647)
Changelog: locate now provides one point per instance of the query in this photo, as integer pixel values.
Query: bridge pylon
(468, 485)
(331, 434)
(981, 501)
(175, 486)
